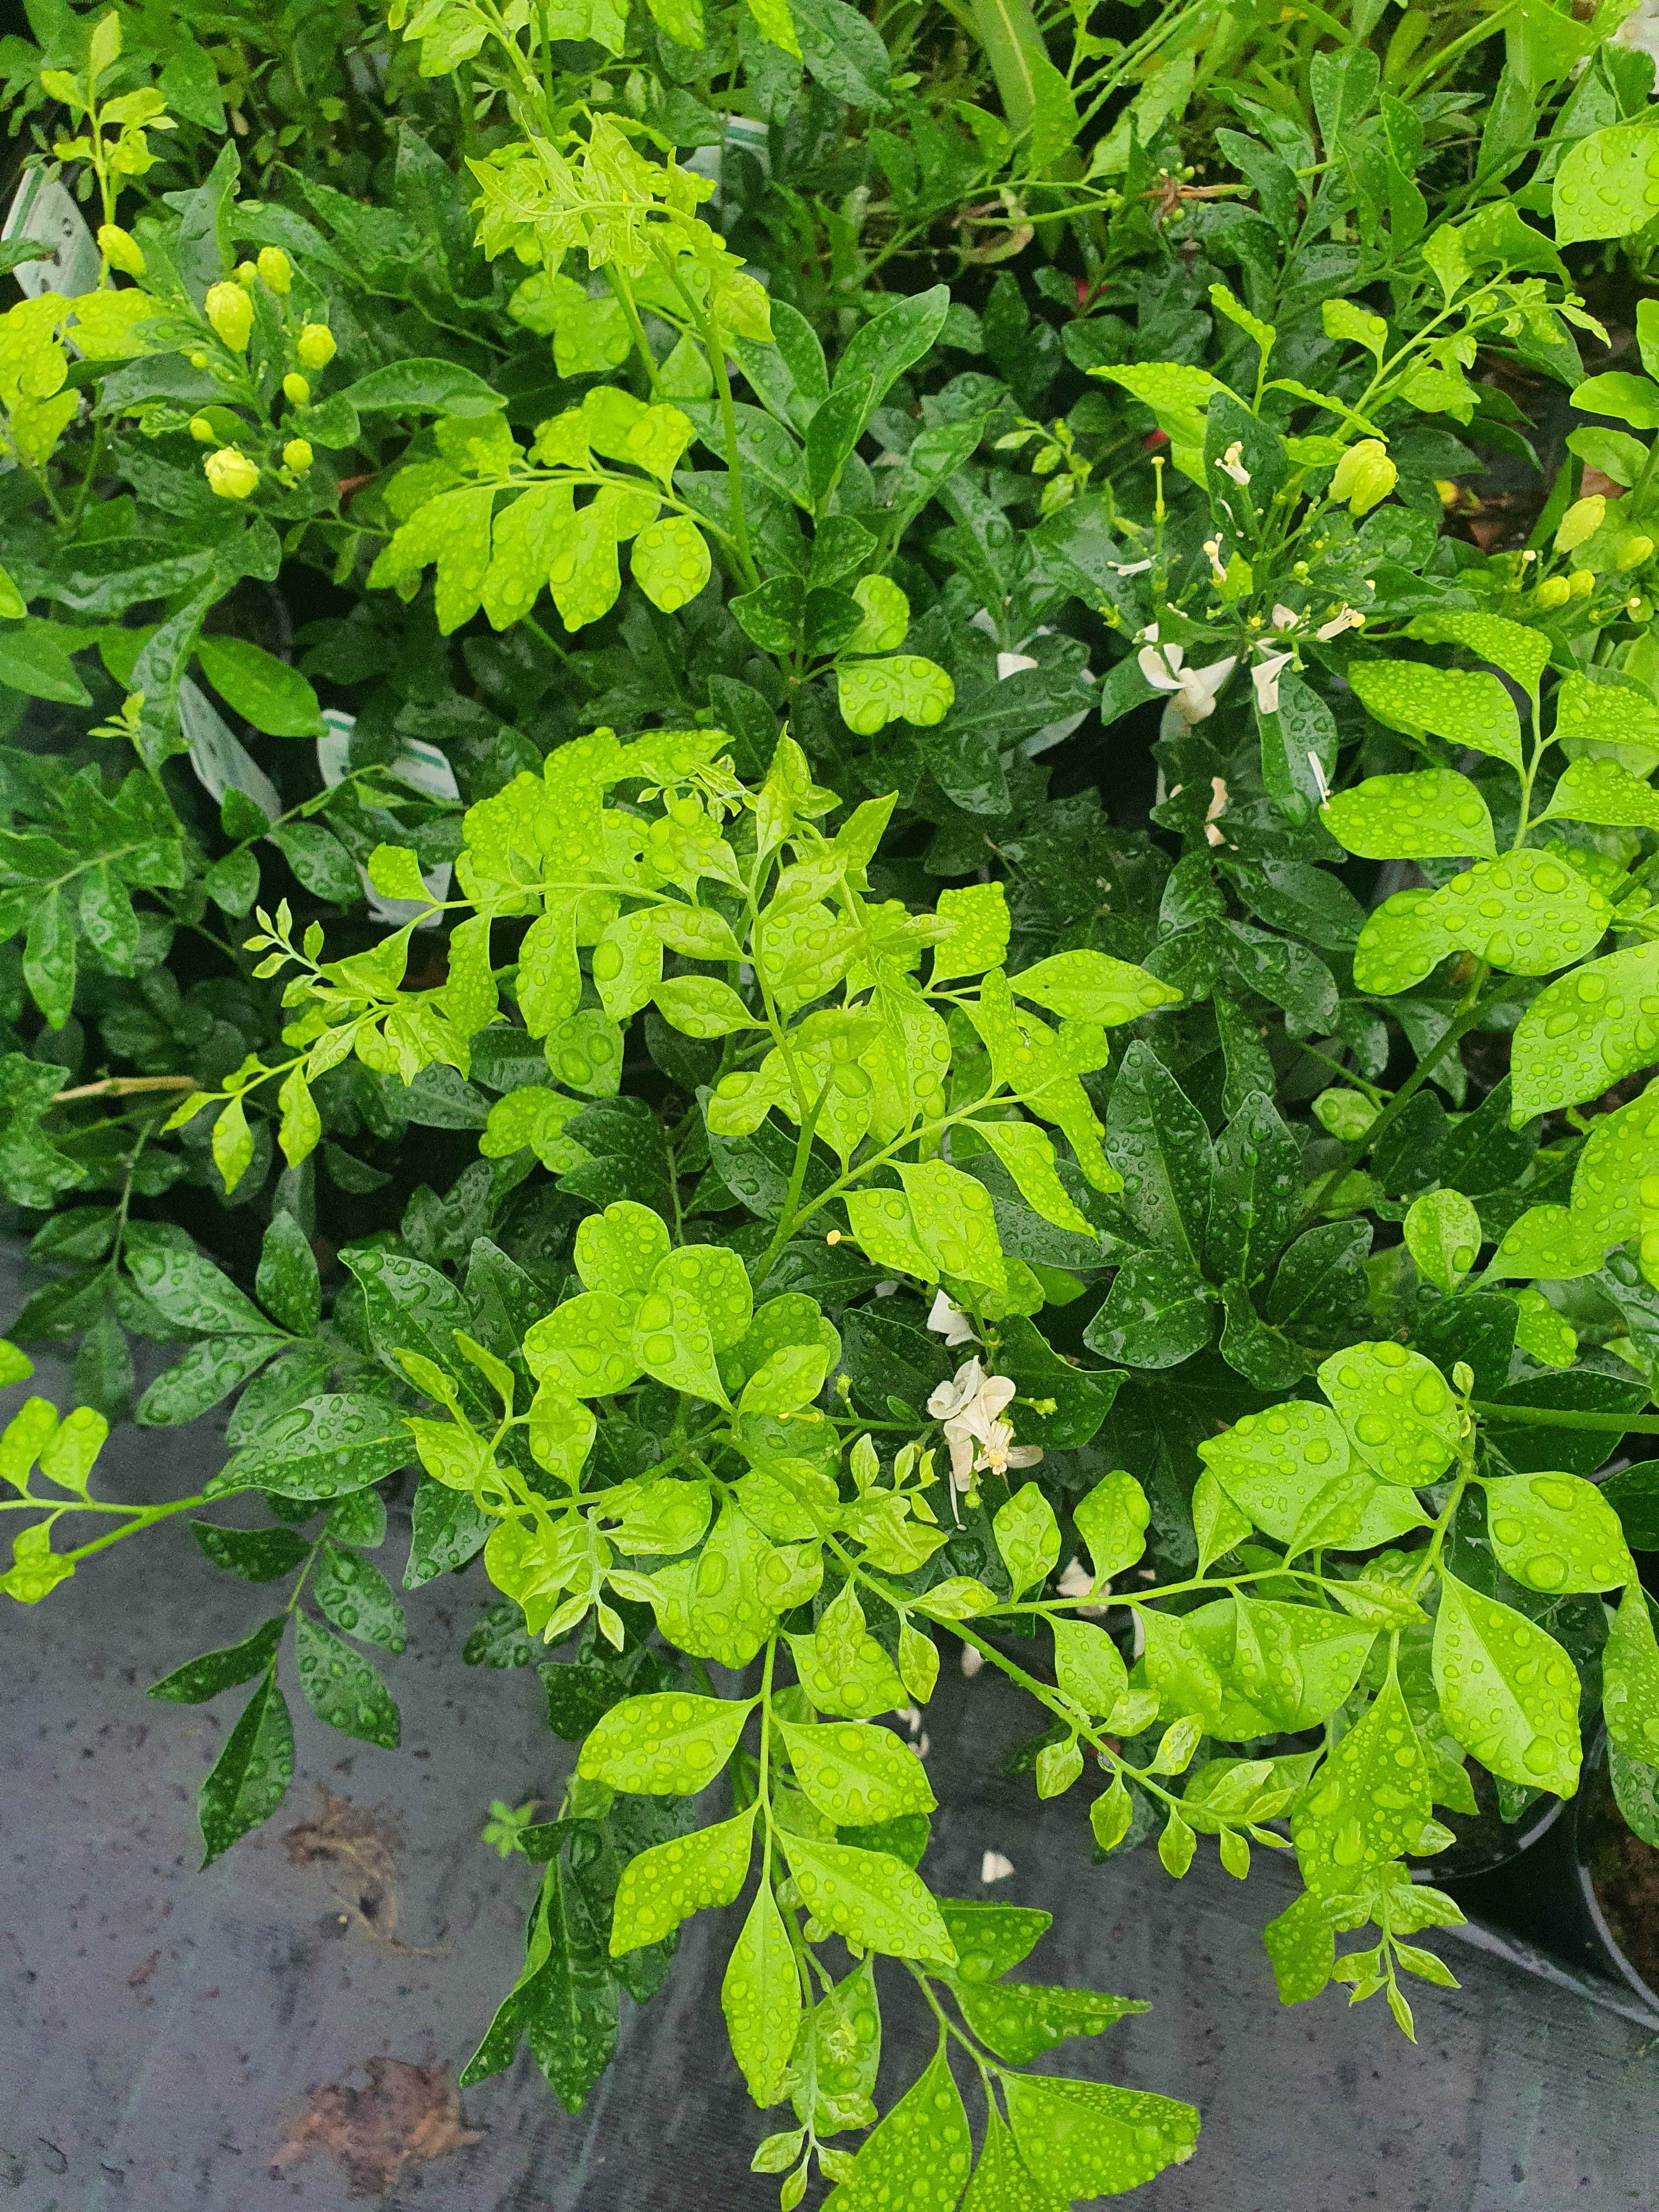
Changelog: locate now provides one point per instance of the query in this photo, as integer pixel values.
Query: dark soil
(1625, 1873)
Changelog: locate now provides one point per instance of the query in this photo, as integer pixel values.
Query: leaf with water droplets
(341, 1687)
(1468, 709)
(761, 1998)
(842, 1668)
(1629, 1674)
(1291, 1469)
(1296, 1663)
(1020, 2021)
(1093, 2139)
(358, 1597)
(668, 1745)
(1520, 652)
(661, 1887)
(856, 1773)
(1027, 1536)
(1002, 2181)
(1555, 1532)
(1527, 913)
(1608, 184)
(1586, 1031)
(1433, 814)
(1370, 1800)
(1443, 1235)
(871, 1897)
(918, 2156)
(1509, 1692)
(587, 1345)
(1112, 1520)
(1602, 791)
(621, 1249)
(725, 1603)
(669, 561)
(1396, 1407)
(1089, 1666)
(336, 1442)
(251, 1773)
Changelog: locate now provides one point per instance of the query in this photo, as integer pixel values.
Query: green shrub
(991, 808)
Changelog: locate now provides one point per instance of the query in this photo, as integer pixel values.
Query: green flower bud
(316, 348)
(1584, 583)
(245, 275)
(1364, 476)
(275, 267)
(1634, 551)
(120, 249)
(1582, 520)
(202, 430)
(1553, 592)
(198, 361)
(231, 313)
(297, 455)
(295, 390)
(231, 475)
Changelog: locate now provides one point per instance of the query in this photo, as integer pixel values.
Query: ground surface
(165, 2035)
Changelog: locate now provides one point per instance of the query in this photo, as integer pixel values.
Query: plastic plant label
(221, 761)
(44, 210)
(425, 770)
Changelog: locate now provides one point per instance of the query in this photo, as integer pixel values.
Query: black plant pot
(1540, 1906)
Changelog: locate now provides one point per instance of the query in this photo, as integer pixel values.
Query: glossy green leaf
(1586, 1031)
(1443, 1237)
(1555, 1532)
(672, 1744)
(1112, 1520)
(1607, 184)
(918, 2155)
(250, 1775)
(1433, 812)
(871, 1897)
(762, 2000)
(1368, 1803)
(904, 689)
(1396, 1407)
(1092, 2139)
(1630, 1674)
(342, 1687)
(1467, 708)
(665, 1885)
(1509, 1692)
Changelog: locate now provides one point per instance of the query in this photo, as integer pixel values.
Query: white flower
(1218, 805)
(1131, 569)
(1075, 1580)
(972, 1661)
(1284, 618)
(951, 1322)
(1265, 676)
(1195, 689)
(1350, 618)
(1318, 767)
(995, 1867)
(980, 1441)
(1212, 549)
(1232, 463)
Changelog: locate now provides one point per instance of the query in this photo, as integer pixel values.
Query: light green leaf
(1602, 791)
(667, 1884)
(842, 1668)
(703, 1006)
(1112, 1520)
(886, 619)
(1443, 1235)
(952, 1220)
(1089, 1666)
(1352, 325)
(672, 1341)
(535, 1118)
(621, 1249)
(857, 1774)
(1630, 1677)
(1527, 913)
(1397, 1408)
(906, 688)
(1467, 707)
(1296, 1663)
(671, 1744)
(395, 872)
(1508, 1691)
(1587, 1030)
(670, 562)
(1218, 1523)
(1521, 653)
(1556, 1532)
(1091, 986)
(871, 1897)
(918, 2156)
(1027, 1536)
(583, 574)
(1606, 713)
(1088, 2139)
(1368, 1803)
(978, 915)
(1029, 1156)
(1607, 184)
(716, 1280)
(761, 1998)
(1177, 395)
(1542, 1332)
(1291, 1470)
(725, 1603)
(1431, 814)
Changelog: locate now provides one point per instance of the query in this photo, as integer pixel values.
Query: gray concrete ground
(162, 2030)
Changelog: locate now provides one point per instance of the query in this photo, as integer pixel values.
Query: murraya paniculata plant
(841, 827)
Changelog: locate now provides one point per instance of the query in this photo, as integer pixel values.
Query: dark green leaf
(252, 1775)
(287, 1282)
(198, 1680)
(341, 1687)
(257, 1555)
(358, 1597)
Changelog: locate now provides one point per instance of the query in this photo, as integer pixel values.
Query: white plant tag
(44, 210)
(425, 770)
(219, 758)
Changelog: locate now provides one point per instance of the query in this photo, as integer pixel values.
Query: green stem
(1557, 1417)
